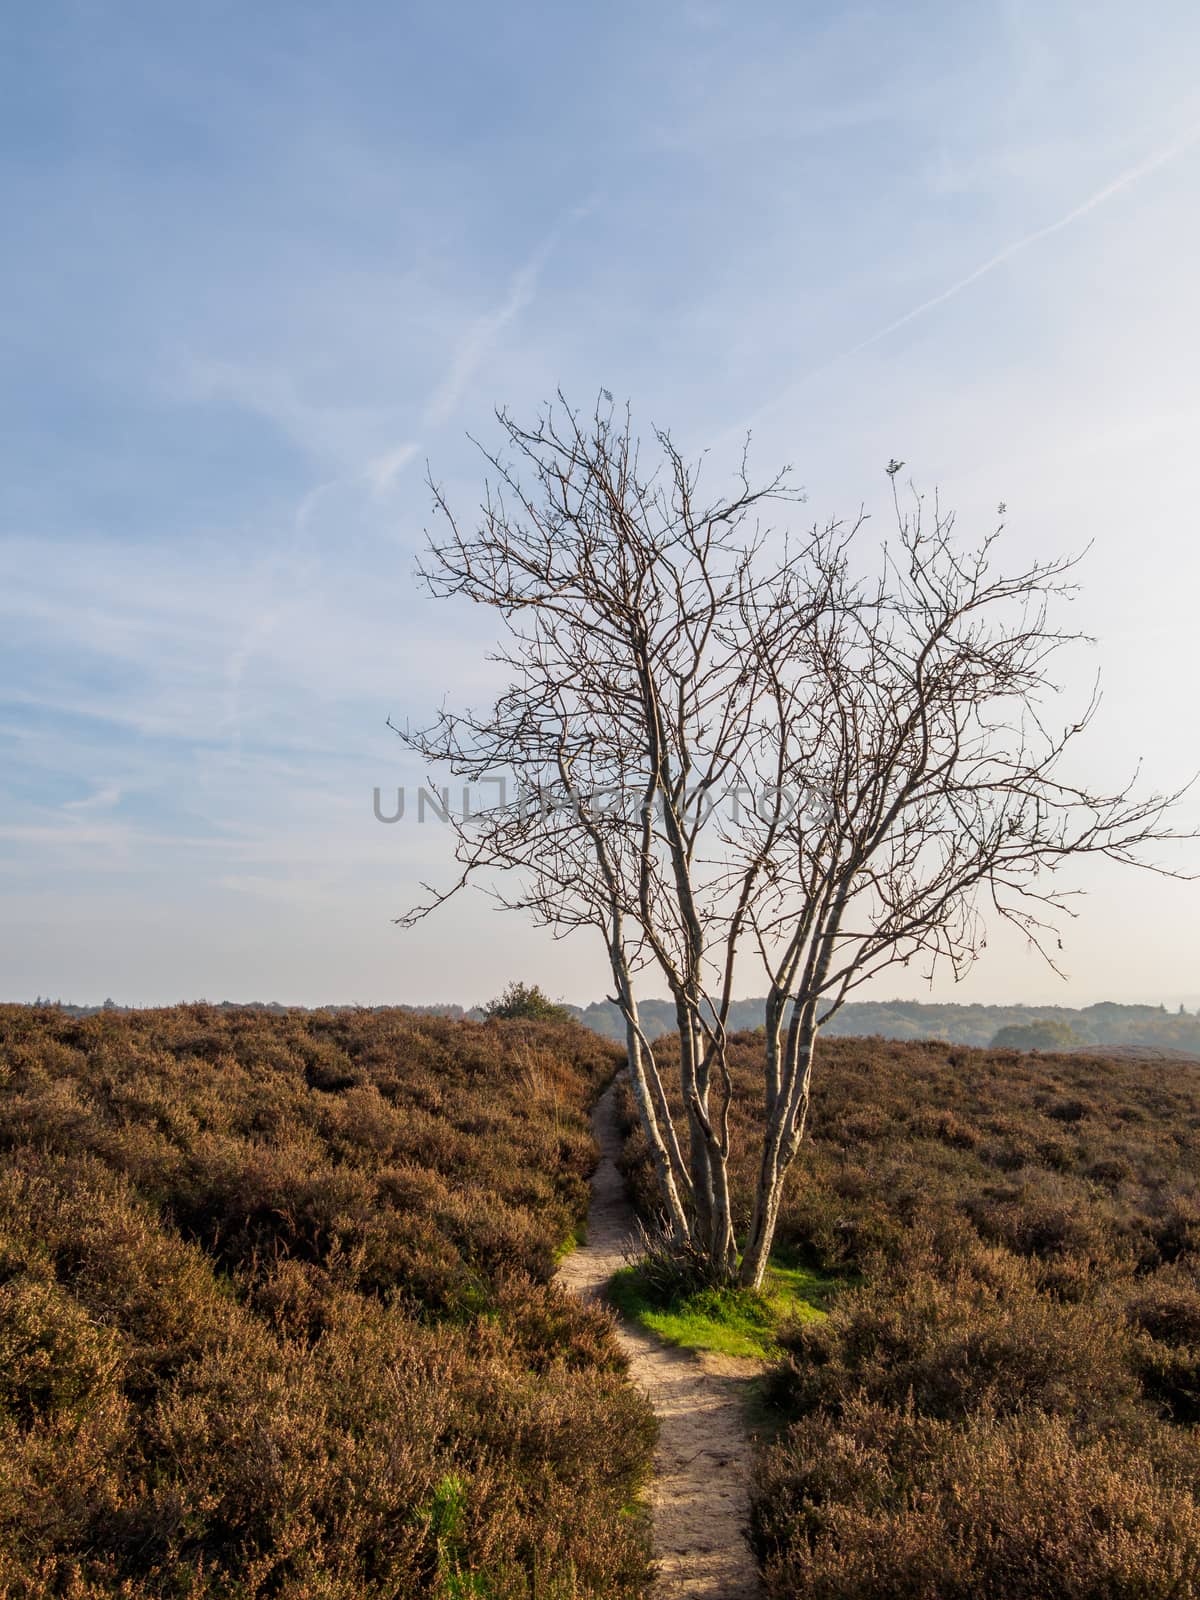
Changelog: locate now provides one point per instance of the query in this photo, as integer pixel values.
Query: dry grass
(275, 1316)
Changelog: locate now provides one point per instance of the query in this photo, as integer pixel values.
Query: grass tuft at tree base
(730, 1321)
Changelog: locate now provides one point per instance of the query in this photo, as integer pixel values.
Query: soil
(699, 1497)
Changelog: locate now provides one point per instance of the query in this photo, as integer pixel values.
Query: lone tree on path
(814, 756)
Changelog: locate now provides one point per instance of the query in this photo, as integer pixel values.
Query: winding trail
(699, 1497)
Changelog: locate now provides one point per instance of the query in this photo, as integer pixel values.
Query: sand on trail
(699, 1495)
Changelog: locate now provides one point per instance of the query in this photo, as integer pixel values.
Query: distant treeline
(1106, 1023)
(1101, 1024)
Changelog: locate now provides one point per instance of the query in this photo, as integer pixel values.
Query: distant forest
(1152, 1028)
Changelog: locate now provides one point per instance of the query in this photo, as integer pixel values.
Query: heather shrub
(276, 1319)
(949, 1342)
(52, 1356)
(1170, 1374)
(1167, 1306)
(883, 1502)
(1040, 1216)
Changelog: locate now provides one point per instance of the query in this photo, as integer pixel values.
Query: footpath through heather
(699, 1497)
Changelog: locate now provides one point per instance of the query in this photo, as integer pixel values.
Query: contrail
(1158, 159)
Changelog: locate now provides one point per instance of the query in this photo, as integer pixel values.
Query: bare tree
(731, 748)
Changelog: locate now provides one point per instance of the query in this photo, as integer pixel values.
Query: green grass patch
(734, 1322)
(573, 1240)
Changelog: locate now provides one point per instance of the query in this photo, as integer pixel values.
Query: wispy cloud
(1124, 180)
(102, 800)
(276, 397)
(481, 336)
(472, 349)
(382, 471)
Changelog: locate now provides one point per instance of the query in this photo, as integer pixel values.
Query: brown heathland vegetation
(276, 1319)
(275, 1311)
(1002, 1402)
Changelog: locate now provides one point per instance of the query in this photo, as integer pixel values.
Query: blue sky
(263, 262)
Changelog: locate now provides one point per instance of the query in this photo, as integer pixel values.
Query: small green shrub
(525, 1002)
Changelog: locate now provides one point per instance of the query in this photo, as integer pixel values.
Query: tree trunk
(700, 1171)
(723, 1248)
(781, 1140)
(699, 1152)
(762, 1227)
(659, 1154)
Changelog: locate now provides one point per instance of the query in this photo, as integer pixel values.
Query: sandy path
(699, 1496)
